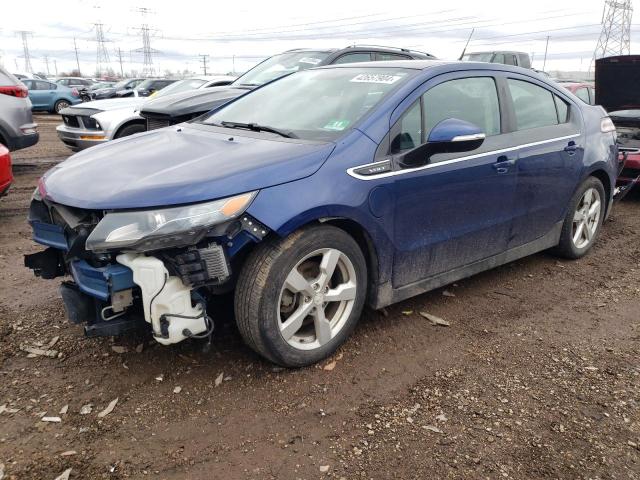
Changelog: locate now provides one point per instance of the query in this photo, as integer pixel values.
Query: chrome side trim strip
(467, 138)
(351, 171)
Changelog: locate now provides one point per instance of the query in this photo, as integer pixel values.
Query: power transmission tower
(119, 53)
(55, 66)
(147, 51)
(204, 59)
(25, 50)
(615, 37)
(46, 61)
(75, 47)
(102, 55)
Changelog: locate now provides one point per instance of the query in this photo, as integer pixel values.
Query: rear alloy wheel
(61, 105)
(299, 298)
(584, 219)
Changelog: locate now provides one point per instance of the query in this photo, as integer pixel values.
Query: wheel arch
(355, 230)
(128, 123)
(607, 182)
(365, 242)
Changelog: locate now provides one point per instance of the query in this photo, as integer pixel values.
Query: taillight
(19, 91)
(607, 126)
(74, 92)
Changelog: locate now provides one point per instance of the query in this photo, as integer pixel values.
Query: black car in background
(181, 107)
(110, 92)
(146, 88)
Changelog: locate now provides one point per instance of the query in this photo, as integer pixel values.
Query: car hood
(194, 101)
(110, 104)
(180, 165)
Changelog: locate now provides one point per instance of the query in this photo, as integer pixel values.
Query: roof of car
(378, 48)
(406, 64)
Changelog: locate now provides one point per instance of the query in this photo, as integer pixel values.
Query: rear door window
(40, 85)
(534, 106)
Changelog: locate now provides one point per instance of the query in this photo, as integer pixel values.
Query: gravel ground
(537, 376)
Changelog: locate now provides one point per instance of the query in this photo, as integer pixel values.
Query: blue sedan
(51, 97)
(319, 193)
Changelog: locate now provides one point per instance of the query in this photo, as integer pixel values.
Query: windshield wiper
(258, 128)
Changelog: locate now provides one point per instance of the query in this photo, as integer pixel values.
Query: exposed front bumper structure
(114, 293)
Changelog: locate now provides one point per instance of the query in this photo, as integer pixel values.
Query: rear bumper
(79, 139)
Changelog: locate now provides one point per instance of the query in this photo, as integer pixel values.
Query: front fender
(332, 193)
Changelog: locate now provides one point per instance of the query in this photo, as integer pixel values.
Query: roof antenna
(464, 50)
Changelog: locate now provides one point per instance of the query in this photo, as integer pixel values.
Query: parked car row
(100, 121)
(406, 175)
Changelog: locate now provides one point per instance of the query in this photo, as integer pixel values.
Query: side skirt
(387, 295)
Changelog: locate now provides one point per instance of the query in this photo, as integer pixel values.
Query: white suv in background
(17, 129)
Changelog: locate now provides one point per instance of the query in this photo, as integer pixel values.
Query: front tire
(299, 298)
(583, 221)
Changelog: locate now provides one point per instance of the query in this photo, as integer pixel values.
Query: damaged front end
(142, 269)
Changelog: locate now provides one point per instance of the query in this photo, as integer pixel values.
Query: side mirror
(449, 136)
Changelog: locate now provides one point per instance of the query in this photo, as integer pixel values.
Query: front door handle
(503, 163)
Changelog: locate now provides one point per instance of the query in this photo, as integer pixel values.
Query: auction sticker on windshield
(336, 125)
(376, 78)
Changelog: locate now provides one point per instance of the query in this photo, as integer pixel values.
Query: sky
(237, 35)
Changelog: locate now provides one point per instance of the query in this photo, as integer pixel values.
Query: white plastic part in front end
(163, 294)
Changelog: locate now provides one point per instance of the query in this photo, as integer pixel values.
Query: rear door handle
(571, 148)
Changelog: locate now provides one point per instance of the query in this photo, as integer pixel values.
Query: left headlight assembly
(145, 230)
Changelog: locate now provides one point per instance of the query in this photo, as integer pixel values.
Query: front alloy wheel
(297, 299)
(317, 299)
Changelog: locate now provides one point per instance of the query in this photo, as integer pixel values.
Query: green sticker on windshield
(337, 125)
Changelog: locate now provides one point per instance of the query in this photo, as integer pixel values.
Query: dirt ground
(537, 376)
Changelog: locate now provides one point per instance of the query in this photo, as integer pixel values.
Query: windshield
(478, 57)
(280, 65)
(121, 84)
(181, 86)
(145, 84)
(314, 104)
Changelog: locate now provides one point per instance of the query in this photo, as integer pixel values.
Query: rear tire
(60, 105)
(299, 298)
(583, 221)
(130, 130)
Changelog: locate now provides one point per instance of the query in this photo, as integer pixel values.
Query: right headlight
(144, 230)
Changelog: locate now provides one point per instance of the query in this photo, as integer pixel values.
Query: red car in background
(584, 91)
(627, 124)
(6, 176)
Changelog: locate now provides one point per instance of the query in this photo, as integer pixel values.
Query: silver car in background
(17, 128)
